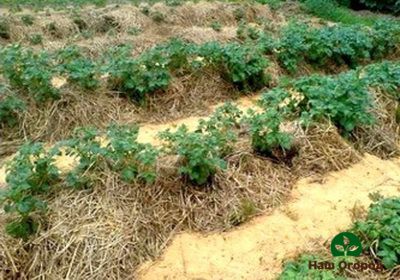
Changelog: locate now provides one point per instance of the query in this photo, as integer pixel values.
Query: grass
(330, 10)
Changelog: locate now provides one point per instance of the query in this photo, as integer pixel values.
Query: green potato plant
(382, 227)
(10, 107)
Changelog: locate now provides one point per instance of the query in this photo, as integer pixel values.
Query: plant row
(345, 100)
(379, 233)
(243, 64)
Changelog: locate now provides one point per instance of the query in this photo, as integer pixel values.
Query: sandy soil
(315, 213)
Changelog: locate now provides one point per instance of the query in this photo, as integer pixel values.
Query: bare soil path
(315, 213)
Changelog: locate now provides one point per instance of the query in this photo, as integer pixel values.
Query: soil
(316, 212)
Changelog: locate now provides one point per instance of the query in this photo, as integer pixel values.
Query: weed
(157, 16)
(36, 39)
(4, 29)
(134, 30)
(80, 23)
(27, 19)
(216, 26)
(239, 14)
(247, 209)
(53, 30)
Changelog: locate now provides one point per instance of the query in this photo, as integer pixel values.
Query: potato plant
(119, 151)
(79, 69)
(136, 77)
(202, 151)
(266, 134)
(29, 71)
(385, 76)
(10, 107)
(31, 174)
(243, 65)
(340, 44)
(382, 227)
(345, 100)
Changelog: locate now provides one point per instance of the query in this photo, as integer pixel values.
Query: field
(199, 140)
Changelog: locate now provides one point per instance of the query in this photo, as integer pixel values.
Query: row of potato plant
(243, 64)
(343, 99)
(338, 44)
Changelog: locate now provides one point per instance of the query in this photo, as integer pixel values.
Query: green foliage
(10, 107)
(175, 54)
(137, 77)
(134, 30)
(157, 16)
(382, 227)
(31, 173)
(273, 4)
(243, 65)
(199, 153)
(299, 269)
(392, 6)
(216, 26)
(330, 10)
(247, 32)
(265, 132)
(346, 101)
(132, 159)
(4, 29)
(42, 4)
(29, 71)
(27, 19)
(174, 3)
(385, 75)
(247, 209)
(22, 228)
(240, 14)
(80, 23)
(385, 34)
(292, 45)
(36, 39)
(202, 151)
(53, 30)
(339, 44)
(79, 69)
(120, 152)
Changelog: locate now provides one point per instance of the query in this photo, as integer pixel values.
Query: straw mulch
(105, 232)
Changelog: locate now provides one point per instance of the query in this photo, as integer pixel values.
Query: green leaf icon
(346, 244)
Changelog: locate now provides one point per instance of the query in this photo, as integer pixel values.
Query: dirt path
(316, 212)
